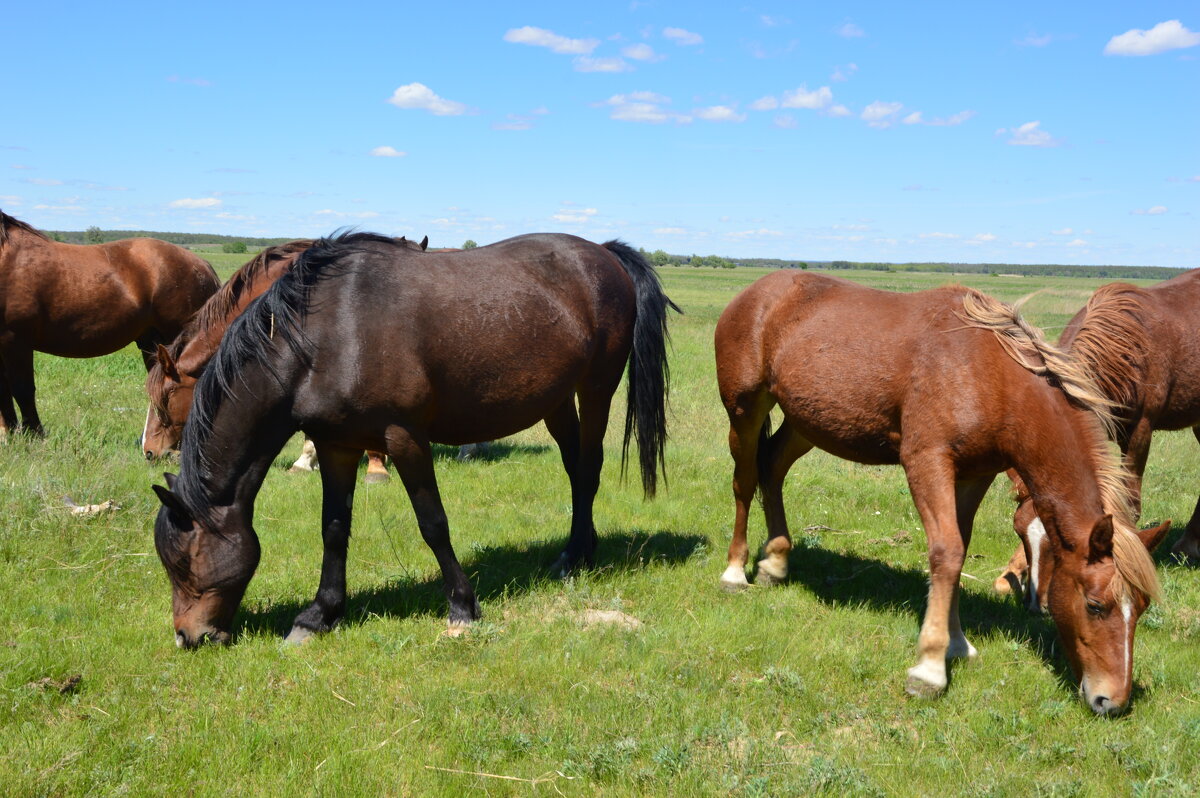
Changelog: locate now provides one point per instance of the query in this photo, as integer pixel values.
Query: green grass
(793, 690)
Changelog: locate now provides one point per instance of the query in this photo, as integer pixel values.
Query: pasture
(640, 677)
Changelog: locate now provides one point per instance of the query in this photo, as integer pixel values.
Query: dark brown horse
(1141, 344)
(85, 301)
(938, 382)
(354, 346)
(175, 370)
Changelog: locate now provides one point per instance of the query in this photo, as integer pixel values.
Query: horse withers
(354, 347)
(76, 300)
(939, 382)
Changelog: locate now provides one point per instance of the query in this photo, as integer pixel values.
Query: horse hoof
(765, 579)
(300, 470)
(734, 580)
(924, 685)
(375, 478)
(1006, 584)
(299, 635)
(456, 629)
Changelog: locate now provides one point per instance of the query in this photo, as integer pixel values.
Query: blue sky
(1002, 132)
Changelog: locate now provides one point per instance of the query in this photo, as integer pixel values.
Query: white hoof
(926, 681)
(299, 635)
(456, 629)
(961, 649)
(770, 573)
(734, 579)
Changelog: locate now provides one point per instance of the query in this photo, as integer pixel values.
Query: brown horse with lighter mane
(76, 300)
(1141, 345)
(955, 387)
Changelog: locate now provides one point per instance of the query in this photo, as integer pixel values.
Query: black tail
(649, 374)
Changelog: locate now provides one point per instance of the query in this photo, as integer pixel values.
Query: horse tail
(649, 374)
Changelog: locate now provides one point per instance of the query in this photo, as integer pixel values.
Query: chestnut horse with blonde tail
(1142, 347)
(76, 300)
(956, 388)
(175, 369)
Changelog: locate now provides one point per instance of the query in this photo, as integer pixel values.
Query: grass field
(787, 691)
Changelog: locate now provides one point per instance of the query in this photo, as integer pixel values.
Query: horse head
(170, 390)
(209, 568)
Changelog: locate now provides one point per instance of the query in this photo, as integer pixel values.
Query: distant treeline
(94, 235)
(661, 258)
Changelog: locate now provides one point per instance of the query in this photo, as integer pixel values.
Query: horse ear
(401, 239)
(425, 243)
(1154, 535)
(170, 478)
(168, 365)
(173, 503)
(1101, 544)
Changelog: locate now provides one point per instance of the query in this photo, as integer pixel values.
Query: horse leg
(580, 439)
(147, 344)
(339, 467)
(747, 420)
(1188, 546)
(775, 457)
(943, 505)
(307, 461)
(8, 413)
(376, 468)
(413, 458)
(18, 370)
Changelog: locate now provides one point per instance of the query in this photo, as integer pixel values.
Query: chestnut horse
(175, 370)
(1141, 344)
(85, 301)
(938, 382)
(354, 345)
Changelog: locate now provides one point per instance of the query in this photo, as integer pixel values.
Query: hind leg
(580, 439)
(412, 455)
(18, 371)
(8, 413)
(775, 457)
(1188, 546)
(338, 470)
(747, 418)
(147, 344)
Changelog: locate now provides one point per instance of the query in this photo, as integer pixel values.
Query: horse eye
(1095, 607)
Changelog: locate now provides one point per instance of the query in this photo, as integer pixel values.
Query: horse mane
(1028, 346)
(7, 222)
(1112, 343)
(273, 320)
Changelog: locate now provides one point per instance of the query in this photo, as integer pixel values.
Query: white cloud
(684, 38)
(938, 235)
(1066, 231)
(851, 31)
(761, 232)
(641, 52)
(585, 63)
(1164, 36)
(719, 113)
(842, 74)
(387, 152)
(1079, 242)
(1034, 40)
(913, 119)
(42, 181)
(803, 98)
(540, 37)
(839, 110)
(785, 121)
(644, 106)
(203, 202)
(1156, 210)
(950, 121)
(764, 104)
(572, 215)
(879, 113)
(670, 231)
(9, 199)
(984, 238)
(1025, 244)
(1030, 134)
(420, 97)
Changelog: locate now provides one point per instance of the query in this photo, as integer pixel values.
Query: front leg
(339, 466)
(1188, 546)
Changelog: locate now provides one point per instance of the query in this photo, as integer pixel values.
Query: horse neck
(227, 467)
(1064, 466)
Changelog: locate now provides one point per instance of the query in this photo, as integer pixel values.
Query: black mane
(7, 221)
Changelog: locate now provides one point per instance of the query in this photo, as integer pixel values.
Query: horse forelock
(1135, 566)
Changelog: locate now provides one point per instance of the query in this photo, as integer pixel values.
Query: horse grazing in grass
(1141, 345)
(85, 301)
(354, 345)
(175, 370)
(939, 382)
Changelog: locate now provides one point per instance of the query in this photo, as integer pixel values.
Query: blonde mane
(1027, 345)
(1112, 343)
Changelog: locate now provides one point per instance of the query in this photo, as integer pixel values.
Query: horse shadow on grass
(841, 578)
(491, 452)
(495, 572)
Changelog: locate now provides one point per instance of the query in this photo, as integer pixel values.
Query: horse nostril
(149, 456)
(1102, 705)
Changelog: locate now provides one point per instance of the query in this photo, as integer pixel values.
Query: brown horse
(354, 345)
(938, 382)
(175, 370)
(1142, 346)
(85, 301)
